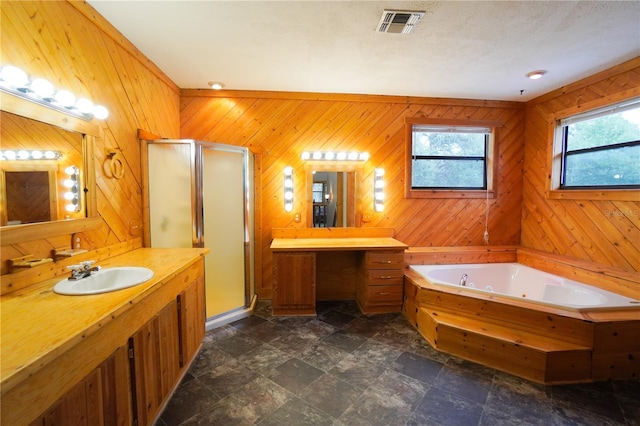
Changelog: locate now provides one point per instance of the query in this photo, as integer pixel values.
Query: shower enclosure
(200, 194)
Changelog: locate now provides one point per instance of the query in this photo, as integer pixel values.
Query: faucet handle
(73, 267)
(87, 263)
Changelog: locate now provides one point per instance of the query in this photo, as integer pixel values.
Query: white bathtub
(517, 281)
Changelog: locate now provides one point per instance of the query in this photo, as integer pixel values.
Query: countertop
(326, 244)
(39, 325)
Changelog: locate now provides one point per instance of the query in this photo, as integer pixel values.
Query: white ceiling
(460, 49)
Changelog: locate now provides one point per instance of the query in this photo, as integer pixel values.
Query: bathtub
(516, 281)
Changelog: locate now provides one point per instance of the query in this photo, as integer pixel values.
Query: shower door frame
(197, 208)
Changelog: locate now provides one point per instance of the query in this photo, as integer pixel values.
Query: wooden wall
(72, 46)
(75, 48)
(280, 126)
(598, 228)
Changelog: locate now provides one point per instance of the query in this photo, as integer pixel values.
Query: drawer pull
(383, 261)
(384, 294)
(386, 277)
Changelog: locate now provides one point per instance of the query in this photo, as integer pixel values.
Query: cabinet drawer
(388, 294)
(384, 259)
(385, 276)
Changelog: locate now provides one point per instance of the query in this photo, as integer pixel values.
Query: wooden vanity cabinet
(380, 281)
(133, 384)
(161, 351)
(294, 283)
(155, 363)
(102, 398)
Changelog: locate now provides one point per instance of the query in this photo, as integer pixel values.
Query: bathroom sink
(105, 280)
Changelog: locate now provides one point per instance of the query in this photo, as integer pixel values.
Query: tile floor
(345, 368)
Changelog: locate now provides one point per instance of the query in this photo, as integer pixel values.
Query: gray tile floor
(345, 368)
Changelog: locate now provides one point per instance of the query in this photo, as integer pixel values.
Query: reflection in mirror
(37, 189)
(331, 198)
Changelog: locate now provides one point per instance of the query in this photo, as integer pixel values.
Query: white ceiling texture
(459, 49)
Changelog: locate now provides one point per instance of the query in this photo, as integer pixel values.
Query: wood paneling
(283, 125)
(72, 46)
(595, 229)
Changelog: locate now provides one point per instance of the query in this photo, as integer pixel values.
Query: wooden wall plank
(72, 46)
(605, 232)
(285, 125)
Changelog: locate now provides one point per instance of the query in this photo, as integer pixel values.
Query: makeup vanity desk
(367, 269)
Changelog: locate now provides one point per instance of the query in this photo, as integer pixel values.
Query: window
(601, 148)
(449, 157)
(318, 192)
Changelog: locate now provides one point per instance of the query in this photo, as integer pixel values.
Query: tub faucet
(463, 280)
(82, 270)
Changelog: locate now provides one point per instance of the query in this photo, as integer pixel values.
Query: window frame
(491, 162)
(557, 148)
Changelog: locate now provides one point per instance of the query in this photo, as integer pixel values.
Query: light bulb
(14, 76)
(42, 88)
(100, 112)
(84, 105)
(65, 98)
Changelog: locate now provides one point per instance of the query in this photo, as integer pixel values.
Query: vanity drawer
(383, 294)
(384, 259)
(385, 276)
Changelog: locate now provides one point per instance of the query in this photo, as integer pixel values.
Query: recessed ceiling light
(534, 75)
(216, 85)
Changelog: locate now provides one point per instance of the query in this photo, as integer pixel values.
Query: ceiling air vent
(398, 21)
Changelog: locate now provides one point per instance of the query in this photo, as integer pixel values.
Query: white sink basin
(105, 280)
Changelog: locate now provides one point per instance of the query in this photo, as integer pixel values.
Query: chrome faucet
(463, 280)
(82, 270)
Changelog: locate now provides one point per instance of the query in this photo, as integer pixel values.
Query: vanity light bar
(15, 81)
(288, 188)
(72, 195)
(25, 154)
(335, 156)
(378, 190)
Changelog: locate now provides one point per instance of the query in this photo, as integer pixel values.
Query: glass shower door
(223, 207)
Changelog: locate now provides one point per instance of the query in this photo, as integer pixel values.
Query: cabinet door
(102, 398)
(155, 364)
(294, 283)
(191, 311)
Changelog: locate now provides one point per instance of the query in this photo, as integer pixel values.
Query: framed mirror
(331, 195)
(44, 195)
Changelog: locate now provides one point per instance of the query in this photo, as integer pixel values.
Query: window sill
(448, 193)
(594, 194)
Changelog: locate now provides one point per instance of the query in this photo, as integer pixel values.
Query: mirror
(33, 193)
(33, 190)
(331, 196)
